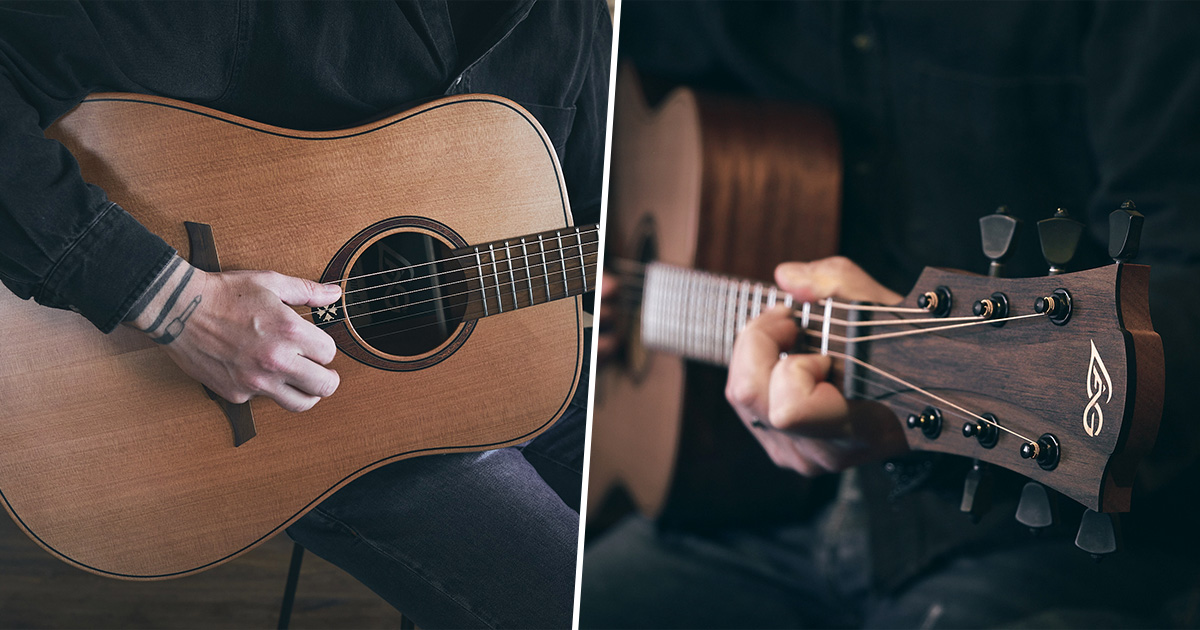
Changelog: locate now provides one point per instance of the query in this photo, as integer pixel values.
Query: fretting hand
(802, 420)
(234, 332)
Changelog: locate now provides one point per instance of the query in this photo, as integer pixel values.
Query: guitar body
(724, 186)
(115, 461)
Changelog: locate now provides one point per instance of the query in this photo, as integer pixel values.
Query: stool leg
(289, 591)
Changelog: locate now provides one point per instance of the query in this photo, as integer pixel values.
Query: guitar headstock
(1063, 383)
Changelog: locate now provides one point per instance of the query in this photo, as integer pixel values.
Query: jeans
(818, 575)
(464, 540)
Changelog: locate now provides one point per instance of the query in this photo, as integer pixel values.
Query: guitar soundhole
(405, 296)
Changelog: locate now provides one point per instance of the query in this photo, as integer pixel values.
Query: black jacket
(296, 65)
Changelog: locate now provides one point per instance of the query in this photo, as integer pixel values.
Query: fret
(707, 321)
(696, 328)
(512, 279)
(496, 276)
(562, 254)
(582, 262)
(515, 263)
(545, 267)
(482, 285)
(730, 317)
(528, 274)
(825, 325)
(771, 298)
(650, 296)
(689, 329)
(675, 311)
(714, 320)
(743, 293)
(757, 300)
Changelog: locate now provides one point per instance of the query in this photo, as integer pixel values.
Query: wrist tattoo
(166, 309)
(140, 306)
(175, 328)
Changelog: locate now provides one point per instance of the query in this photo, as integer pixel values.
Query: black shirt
(292, 64)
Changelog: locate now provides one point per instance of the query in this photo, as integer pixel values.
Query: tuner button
(985, 432)
(1056, 306)
(1099, 534)
(1045, 451)
(930, 422)
(1035, 511)
(995, 307)
(1124, 232)
(1060, 238)
(998, 232)
(977, 491)
(938, 302)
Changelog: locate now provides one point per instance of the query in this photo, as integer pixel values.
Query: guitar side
(115, 461)
(721, 185)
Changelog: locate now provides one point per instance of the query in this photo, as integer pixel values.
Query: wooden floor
(38, 591)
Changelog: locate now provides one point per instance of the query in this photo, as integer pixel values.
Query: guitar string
(707, 276)
(588, 231)
(890, 392)
(826, 337)
(469, 278)
(930, 395)
(508, 287)
(931, 329)
(471, 273)
(515, 285)
(567, 249)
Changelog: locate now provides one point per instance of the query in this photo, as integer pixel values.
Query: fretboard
(523, 271)
(697, 314)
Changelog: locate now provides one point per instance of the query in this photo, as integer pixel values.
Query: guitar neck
(523, 271)
(696, 314)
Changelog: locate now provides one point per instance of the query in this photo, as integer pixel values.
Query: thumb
(302, 292)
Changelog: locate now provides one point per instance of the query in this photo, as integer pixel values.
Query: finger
(293, 399)
(609, 285)
(312, 379)
(832, 277)
(299, 291)
(606, 346)
(755, 352)
(313, 343)
(803, 402)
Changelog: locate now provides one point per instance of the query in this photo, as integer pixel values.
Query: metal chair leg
(289, 591)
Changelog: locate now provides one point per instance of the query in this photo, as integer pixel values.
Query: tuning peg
(1060, 237)
(998, 231)
(1035, 510)
(1099, 534)
(1124, 232)
(977, 491)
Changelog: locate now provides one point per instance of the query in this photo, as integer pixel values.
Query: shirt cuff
(105, 272)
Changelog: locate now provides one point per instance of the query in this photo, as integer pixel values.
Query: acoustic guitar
(444, 225)
(722, 185)
(1058, 378)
